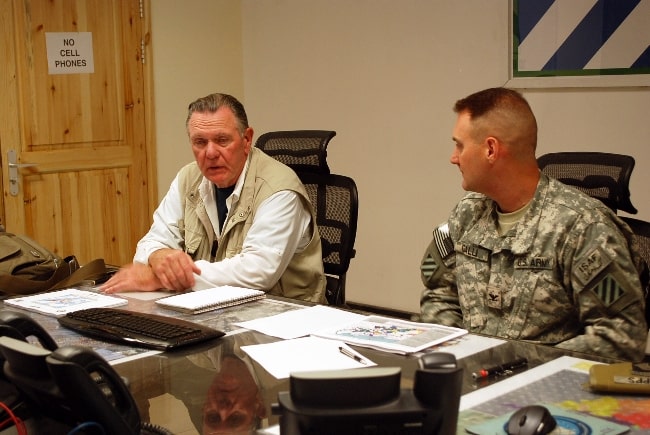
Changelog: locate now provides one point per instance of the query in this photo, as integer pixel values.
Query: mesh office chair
(641, 230)
(336, 202)
(334, 197)
(601, 175)
(302, 150)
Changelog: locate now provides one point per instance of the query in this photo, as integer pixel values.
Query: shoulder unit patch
(608, 290)
(591, 265)
(428, 266)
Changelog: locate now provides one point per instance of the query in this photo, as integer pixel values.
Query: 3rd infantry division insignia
(608, 291)
(428, 266)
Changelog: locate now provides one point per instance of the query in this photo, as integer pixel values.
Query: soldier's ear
(492, 148)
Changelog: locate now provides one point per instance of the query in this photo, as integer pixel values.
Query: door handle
(13, 171)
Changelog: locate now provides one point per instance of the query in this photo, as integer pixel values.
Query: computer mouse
(531, 420)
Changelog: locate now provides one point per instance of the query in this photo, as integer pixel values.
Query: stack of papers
(392, 335)
(317, 338)
(61, 302)
(376, 332)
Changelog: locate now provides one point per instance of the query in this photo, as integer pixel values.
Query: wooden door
(82, 123)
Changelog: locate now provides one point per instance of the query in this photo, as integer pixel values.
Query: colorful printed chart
(563, 387)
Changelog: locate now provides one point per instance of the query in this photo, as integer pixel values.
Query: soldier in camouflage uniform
(527, 257)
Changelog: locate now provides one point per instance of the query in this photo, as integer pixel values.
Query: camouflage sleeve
(439, 300)
(607, 292)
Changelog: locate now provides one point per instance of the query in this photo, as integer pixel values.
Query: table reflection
(234, 403)
(222, 389)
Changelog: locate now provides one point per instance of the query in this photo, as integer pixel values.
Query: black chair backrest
(335, 200)
(604, 176)
(301, 150)
(641, 230)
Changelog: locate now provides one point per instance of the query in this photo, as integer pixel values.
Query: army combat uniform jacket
(565, 275)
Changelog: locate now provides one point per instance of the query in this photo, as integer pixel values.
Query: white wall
(384, 74)
(196, 51)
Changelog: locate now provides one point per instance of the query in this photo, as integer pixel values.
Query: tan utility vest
(304, 278)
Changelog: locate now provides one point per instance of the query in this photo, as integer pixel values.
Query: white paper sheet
(302, 322)
(282, 358)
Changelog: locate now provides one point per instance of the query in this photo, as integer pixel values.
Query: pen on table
(357, 358)
(500, 369)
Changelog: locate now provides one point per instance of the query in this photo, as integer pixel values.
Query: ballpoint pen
(500, 369)
(347, 353)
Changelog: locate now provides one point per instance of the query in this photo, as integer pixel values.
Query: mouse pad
(566, 389)
(568, 423)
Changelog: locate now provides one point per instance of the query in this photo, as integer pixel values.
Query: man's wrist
(155, 256)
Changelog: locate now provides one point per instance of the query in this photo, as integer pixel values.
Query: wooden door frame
(149, 127)
(150, 121)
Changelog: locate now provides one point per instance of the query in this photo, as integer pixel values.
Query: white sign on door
(69, 52)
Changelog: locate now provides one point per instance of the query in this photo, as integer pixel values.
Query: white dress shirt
(281, 227)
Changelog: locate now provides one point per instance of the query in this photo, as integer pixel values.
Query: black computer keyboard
(138, 329)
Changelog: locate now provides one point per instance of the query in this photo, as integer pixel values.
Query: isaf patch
(608, 291)
(591, 265)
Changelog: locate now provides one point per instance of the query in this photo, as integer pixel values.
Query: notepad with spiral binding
(200, 301)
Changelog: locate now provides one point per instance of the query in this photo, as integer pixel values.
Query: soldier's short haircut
(504, 105)
(482, 102)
